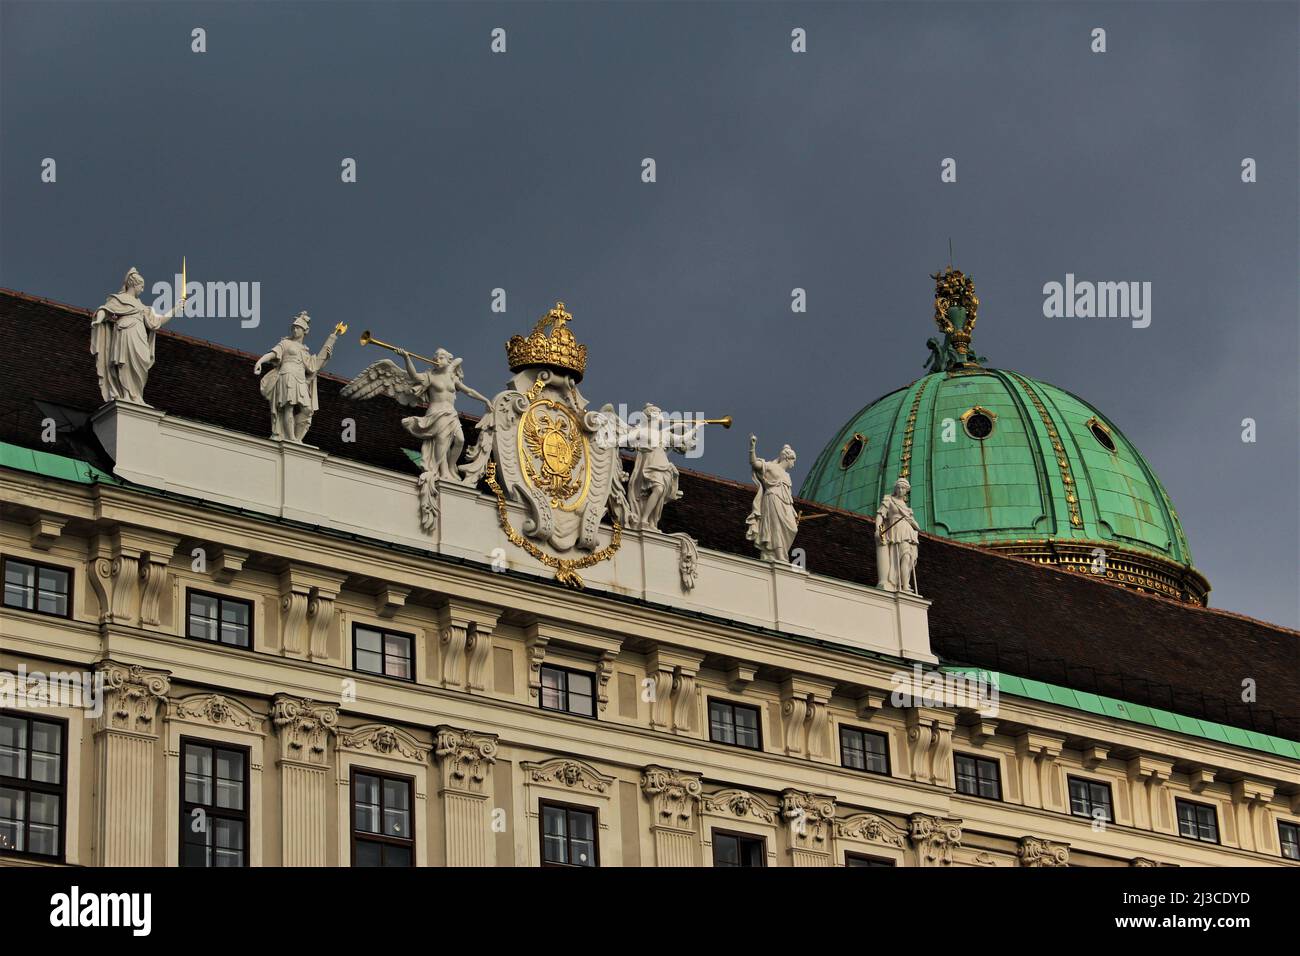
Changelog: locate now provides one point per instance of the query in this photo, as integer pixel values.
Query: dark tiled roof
(989, 610)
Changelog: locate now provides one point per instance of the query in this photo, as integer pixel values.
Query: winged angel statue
(441, 436)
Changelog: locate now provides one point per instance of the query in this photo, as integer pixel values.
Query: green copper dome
(1001, 460)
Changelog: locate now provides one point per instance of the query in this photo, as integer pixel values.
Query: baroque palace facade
(353, 651)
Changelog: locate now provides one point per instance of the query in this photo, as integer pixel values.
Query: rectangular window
(738, 849)
(33, 786)
(38, 587)
(1197, 821)
(1288, 835)
(567, 691)
(214, 804)
(383, 831)
(388, 653)
(1091, 799)
(568, 835)
(221, 620)
(734, 724)
(861, 859)
(864, 750)
(978, 777)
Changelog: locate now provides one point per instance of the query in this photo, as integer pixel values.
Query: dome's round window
(853, 449)
(1100, 433)
(979, 426)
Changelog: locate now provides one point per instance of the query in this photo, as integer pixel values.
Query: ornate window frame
(868, 834)
(383, 749)
(221, 720)
(567, 780)
(733, 810)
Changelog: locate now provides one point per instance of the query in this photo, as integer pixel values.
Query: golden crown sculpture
(557, 350)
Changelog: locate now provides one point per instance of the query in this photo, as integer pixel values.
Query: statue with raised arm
(122, 341)
(442, 438)
(896, 541)
(290, 385)
(772, 522)
(654, 478)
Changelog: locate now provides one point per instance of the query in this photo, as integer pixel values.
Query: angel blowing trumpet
(439, 428)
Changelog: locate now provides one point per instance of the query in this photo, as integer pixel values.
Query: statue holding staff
(896, 541)
(772, 522)
(122, 341)
(290, 386)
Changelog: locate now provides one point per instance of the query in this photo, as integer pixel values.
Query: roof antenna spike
(950, 253)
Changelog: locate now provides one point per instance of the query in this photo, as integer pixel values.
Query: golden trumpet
(725, 421)
(368, 339)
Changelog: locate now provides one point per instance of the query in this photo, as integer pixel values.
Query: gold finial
(549, 345)
(954, 292)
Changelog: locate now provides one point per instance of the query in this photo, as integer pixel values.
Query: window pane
(397, 856)
(368, 854)
(230, 780)
(47, 740)
(368, 640)
(234, 623)
(198, 774)
(228, 842)
(746, 727)
(203, 617)
(554, 847)
(365, 799)
(752, 853)
(369, 661)
(52, 588)
(20, 583)
(726, 850)
(552, 699)
(43, 830)
(397, 813)
(721, 724)
(397, 651)
(13, 747)
(12, 814)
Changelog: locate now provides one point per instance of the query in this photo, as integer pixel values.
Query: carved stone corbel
(1035, 852)
(304, 728)
(1147, 779)
(673, 671)
(934, 838)
(128, 571)
(465, 645)
(929, 745)
(44, 530)
(804, 716)
(226, 562)
(307, 610)
(535, 642)
(1036, 755)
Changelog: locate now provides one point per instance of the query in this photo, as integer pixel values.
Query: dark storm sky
(775, 170)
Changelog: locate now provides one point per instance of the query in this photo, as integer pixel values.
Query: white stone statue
(772, 522)
(122, 341)
(896, 540)
(442, 438)
(290, 386)
(654, 478)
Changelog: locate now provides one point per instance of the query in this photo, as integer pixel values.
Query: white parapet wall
(302, 483)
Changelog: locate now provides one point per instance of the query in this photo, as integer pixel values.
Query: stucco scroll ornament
(133, 696)
(809, 815)
(442, 438)
(383, 740)
(122, 334)
(1036, 852)
(934, 838)
(675, 794)
(466, 754)
(740, 803)
(305, 727)
(772, 522)
(868, 826)
(290, 385)
(897, 534)
(571, 773)
(217, 710)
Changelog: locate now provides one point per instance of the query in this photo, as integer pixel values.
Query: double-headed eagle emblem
(556, 460)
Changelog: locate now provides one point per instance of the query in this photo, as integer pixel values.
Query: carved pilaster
(809, 817)
(304, 728)
(125, 742)
(1035, 852)
(465, 759)
(674, 797)
(934, 838)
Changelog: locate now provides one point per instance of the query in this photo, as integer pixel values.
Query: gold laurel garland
(565, 568)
